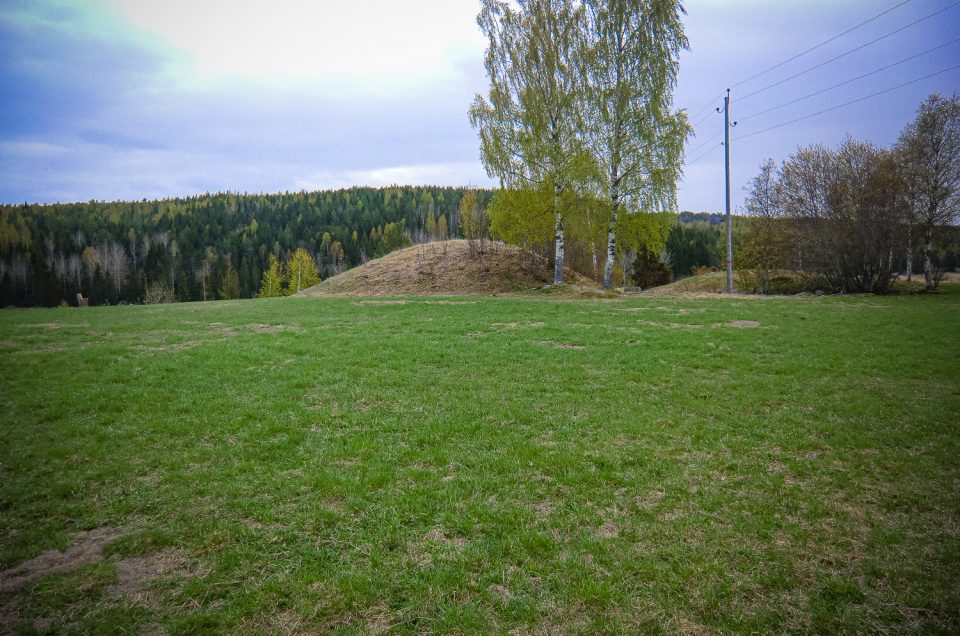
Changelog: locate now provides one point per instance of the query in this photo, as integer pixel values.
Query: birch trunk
(611, 248)
(928, 261)
(558, 261)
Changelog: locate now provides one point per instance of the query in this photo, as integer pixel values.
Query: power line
(854, 50)
(854, 101)
(712, 148)
(706, 106)
(849, 81)
(814, 48)
(704, 143)
(702, 119)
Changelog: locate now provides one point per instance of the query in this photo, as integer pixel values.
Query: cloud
(441, 174)
(370, 47)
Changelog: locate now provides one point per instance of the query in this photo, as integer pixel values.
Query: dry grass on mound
(710, 283)
(446, 267)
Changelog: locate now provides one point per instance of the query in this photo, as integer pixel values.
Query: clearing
(482, 465)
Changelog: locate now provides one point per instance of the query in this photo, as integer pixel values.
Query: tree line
(212, 246)
(855, 216)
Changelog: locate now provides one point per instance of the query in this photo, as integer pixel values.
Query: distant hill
(713, 218)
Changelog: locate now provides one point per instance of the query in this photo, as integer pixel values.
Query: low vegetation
(466, 464)
(471, 266)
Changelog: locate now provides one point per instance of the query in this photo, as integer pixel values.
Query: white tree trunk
(928, 261)
(611, 248)
(558, 264)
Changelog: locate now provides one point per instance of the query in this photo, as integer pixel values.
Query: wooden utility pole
(726, 164)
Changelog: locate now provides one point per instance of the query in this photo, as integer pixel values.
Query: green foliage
(271, 285)
(391, 238)
(301, 272)
(649, 270)
(474, 221)
(645, 231)
(630, 69)
(522, 217)
(230, 287)
(692, 246)
(51, 252)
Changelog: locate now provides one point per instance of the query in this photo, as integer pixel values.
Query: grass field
(476, 465)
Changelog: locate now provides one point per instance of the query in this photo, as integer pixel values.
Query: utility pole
(726, 164)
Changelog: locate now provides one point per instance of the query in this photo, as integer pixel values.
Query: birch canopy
(630, 73)
(579, 100)
(529, 125)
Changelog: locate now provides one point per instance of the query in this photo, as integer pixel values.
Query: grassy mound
(443, 268)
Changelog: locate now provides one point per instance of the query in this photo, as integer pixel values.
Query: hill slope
(446, 268)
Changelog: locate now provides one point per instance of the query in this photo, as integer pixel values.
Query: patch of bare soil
(88, 549)
(738, 324)
(134, 574)
(669, 325)
(50, 326)
(608, 530)
(272, 328)
(562, 345)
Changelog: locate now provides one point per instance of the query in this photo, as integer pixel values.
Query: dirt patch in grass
(669, 325)
(135, 574)
(738, 324)
(220, 329)
(87, 549)
(562, 345)
(382, 302)
(608, 530)
(50, 326)
(500, 592)
(272, 328)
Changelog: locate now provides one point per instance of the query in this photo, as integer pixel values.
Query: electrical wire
(814, 48)
(708, 105)
(702, 119)
(842, 55)
(705, 142)
(712, 148)
(849, 81)
(854, 101)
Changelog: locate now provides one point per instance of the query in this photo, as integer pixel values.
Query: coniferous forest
(212, 246)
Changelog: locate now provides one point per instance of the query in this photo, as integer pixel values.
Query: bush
(158, 293)
(650, 271)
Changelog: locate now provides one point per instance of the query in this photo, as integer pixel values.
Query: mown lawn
(483, 465)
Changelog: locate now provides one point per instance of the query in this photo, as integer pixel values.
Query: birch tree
(929, 153)
(301, 271)
(631, 70)
(529, 123)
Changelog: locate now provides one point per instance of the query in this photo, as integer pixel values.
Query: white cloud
(442, 174)
(358, 46)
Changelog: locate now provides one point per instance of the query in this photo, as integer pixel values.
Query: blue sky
(125, 99)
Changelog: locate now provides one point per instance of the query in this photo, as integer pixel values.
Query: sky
(131, 99)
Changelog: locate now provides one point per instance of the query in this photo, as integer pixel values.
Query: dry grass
(446, 268)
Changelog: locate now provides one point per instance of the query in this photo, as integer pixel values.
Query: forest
(204, 247)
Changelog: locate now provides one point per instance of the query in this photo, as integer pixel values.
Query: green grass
(488, 465)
